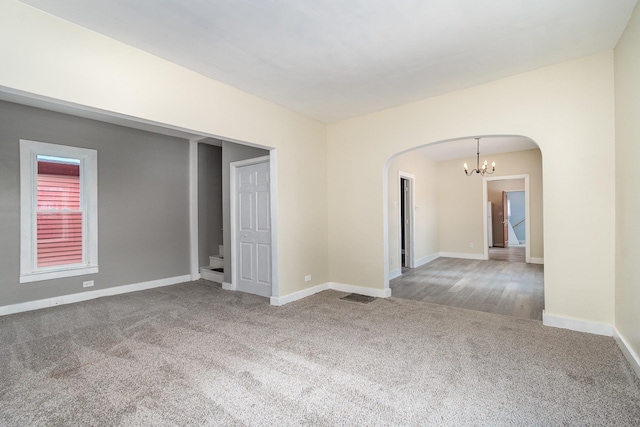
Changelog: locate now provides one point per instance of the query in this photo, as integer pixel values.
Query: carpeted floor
(194, 354)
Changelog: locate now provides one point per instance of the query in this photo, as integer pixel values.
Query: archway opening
(450, 224)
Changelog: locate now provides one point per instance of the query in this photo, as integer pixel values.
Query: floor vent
(363, 299)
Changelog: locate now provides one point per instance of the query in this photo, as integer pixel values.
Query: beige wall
(48, 57)
(460, 206)
(335, 190)
(627, 90)
(426, 212)
(567, 109)
(494, 195)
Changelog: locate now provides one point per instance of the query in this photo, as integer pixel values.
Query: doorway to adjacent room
(506, 222)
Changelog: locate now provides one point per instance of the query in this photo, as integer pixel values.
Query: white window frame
(29, 150)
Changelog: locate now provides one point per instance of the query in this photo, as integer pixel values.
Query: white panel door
(253, 229)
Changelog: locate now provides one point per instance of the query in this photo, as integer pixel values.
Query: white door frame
(527, 212)
(271, 159)
(194, 267)
(412, 219)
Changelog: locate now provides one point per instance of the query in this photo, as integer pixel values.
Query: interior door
(505, 220)
(253, 229)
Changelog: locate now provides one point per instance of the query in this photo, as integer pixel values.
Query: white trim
(427, 259)
(29, 150)
(536, 260)
(228, 286)
(295, 296)
(248, 162)
(395, 274)
(419, 263)
(84, 296)
(527, 212)
(71, 272)
(379, 293)
(412, 218)
(273, 194)
(207, 273)
(631, 356)
(461, 255)
(193, 210)
(232, 225)
(574, 324)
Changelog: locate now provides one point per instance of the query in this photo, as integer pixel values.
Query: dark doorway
(405, 206)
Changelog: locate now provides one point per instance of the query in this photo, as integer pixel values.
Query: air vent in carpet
(358, 298)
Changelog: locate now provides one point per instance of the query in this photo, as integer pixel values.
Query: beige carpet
(193, 354)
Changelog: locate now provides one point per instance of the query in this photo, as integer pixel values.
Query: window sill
(58, 274)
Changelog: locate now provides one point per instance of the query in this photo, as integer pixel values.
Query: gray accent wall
(143, 202)
(209, 202)
(232, 152)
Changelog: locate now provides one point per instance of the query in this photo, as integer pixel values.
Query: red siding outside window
(59, 217)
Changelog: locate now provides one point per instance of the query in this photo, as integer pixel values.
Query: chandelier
(481, 170)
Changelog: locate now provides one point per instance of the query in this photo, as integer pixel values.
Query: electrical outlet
(87, 284)
(470, 244)
(307, 278)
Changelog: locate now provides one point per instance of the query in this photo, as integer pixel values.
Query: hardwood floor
(511, 254)
(509, 288)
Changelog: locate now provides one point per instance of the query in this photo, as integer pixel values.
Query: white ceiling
(335, 59)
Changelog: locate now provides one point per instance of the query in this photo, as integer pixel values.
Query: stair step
(216, 261)
(208, 273)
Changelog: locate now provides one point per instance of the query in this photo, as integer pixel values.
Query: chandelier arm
(471, 172)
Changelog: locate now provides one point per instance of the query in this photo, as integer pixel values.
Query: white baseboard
(394, 274)
(285, 299)
(535, 260)
(371, 292)
(427, 259)
(629, 354)
(84, 296)
(577, 324)
(298, 295)
(228, 286)
(418, 263)
(461, 255)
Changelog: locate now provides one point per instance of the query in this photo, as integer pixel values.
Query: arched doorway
(450, 237)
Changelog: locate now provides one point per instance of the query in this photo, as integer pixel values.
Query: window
(59, 211)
